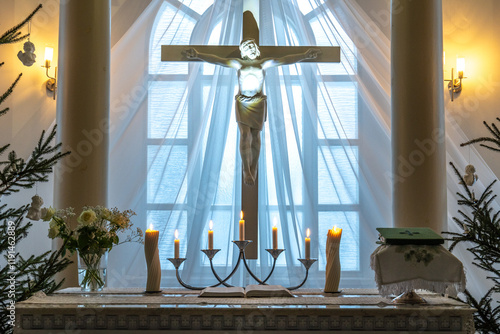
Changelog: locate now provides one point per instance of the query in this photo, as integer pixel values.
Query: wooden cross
(249, 198)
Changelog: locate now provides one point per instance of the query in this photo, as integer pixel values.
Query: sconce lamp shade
(49, 54)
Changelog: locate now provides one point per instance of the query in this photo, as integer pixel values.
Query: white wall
(471, 30)
(32, 110)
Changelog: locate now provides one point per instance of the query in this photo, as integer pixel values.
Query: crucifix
(250, 102)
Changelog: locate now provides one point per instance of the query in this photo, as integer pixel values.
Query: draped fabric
(325, 156)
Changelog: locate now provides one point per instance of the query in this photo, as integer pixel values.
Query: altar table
(176, 310)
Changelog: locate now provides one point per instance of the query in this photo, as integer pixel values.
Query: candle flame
(211, 224)
(241, 215)
(176, 234)
(275, 222)
(150, 227)
(308, 233)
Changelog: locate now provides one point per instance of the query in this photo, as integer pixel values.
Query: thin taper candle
(176, 245)
(308, 245)
(211, 236)
(242, 227)
(275, 235)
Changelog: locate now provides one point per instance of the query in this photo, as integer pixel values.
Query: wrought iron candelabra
(241, 244)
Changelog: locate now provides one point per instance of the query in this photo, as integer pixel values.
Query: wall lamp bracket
(51, 83)
(455, 84)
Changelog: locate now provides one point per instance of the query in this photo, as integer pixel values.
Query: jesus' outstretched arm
(212, 59)
(290, 59)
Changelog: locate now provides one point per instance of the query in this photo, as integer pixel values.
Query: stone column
(83, 107)
(418, 149)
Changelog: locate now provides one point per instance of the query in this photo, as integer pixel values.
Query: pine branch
(15, 216)
(18, 174)
(13, 34)
(486, 318)
(481, 234)
(495, 139)
(5, 95)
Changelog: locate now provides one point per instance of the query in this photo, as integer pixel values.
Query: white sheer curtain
(325, 157)
(174, 153)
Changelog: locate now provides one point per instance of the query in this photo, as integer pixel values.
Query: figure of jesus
(250, 105)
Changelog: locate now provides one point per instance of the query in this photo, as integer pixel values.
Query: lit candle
(152, 259)
(49, 53)
(242, 227)
(176, 245)
(275, 235)
(151, 234)
(211, 236)
(335, 232)
(308, 245)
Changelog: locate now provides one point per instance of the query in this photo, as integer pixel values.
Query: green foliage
(13, 35)
(481, 233)
(36, 272)
(97, 228)
(495, 139)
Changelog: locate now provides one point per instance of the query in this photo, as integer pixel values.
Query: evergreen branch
(495, 132)
(480, 139)
(489, 147)
(494, 129)
(481, 232)
(15, 216)
(4, 148)
(462, 183)
(20, 174)
(5, 95)
(13, 33)
(486, 318)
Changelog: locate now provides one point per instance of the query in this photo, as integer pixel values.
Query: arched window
(309, 176)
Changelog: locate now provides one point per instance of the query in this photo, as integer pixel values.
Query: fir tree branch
(13, 34)
(493, 129)
(486, 318)
(18, 174)
(5, 95)
(481, 234)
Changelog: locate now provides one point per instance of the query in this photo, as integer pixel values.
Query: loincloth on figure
(251, 111)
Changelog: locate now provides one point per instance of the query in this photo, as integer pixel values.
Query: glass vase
(92, 269)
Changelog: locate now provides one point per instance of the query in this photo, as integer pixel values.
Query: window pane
(337, 170)
(167, 110)
(337, 110)
(173, 28)
(348, 221)
(200, 6)
(225, 188)
(166, 173)
(333, 34)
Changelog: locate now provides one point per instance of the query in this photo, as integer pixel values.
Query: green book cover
(409, 236)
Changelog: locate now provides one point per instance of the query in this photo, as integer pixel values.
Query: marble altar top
(311, 298)
(178, 310)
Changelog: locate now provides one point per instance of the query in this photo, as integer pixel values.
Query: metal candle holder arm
(242, 244)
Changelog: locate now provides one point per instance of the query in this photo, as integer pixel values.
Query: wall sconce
(51, 84)
(455, 84)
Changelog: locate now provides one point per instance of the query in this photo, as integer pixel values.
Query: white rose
(47, 213)
(87, 217)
